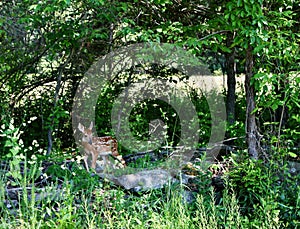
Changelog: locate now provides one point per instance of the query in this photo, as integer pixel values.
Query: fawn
(98, 146)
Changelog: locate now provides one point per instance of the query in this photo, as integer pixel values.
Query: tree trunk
(61, 68)
(252, 135)
(50, 129)
(231, 82)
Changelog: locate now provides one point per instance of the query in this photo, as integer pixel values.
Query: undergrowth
(75, 199)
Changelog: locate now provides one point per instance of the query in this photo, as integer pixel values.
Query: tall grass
(102, 205)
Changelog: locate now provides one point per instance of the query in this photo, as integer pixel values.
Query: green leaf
(259, 24)
(225, 49)
(247, 9)
(293, 155)
(245, 45)
(232, 17)
(230, 6)
(239, 3)
(254, 110)
(258, 48)
(219, 38)
(274, 106)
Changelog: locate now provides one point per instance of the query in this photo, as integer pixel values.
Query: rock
(142, 180)
(294, 167)
(185, 178)
(188, 197)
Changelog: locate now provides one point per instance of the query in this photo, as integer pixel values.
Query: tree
(45, 50)
(51, 45)
(254, 23)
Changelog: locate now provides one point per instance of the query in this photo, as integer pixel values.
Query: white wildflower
(21, 143)
(33, 118)
(79, 158)
(31, 162)
(22, 156)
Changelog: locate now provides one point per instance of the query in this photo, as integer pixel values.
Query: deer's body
(98, 146)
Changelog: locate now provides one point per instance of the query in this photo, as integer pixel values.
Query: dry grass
(208, 83)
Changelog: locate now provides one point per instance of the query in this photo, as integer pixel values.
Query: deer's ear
(80, 127)
(91, 126)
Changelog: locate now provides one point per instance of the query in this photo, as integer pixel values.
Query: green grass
(83, 201)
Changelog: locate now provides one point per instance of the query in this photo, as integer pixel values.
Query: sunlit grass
(102, 205)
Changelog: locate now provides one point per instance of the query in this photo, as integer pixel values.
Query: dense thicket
(46, 48)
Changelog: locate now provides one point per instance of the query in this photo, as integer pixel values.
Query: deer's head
(87, 133)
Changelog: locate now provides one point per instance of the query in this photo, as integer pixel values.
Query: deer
(98, 146)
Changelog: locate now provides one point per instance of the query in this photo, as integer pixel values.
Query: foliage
(253, 181)
(11, 140)
(63, 38)
(97, 204)
(45, 50)
(262, 187)
(47, 46)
